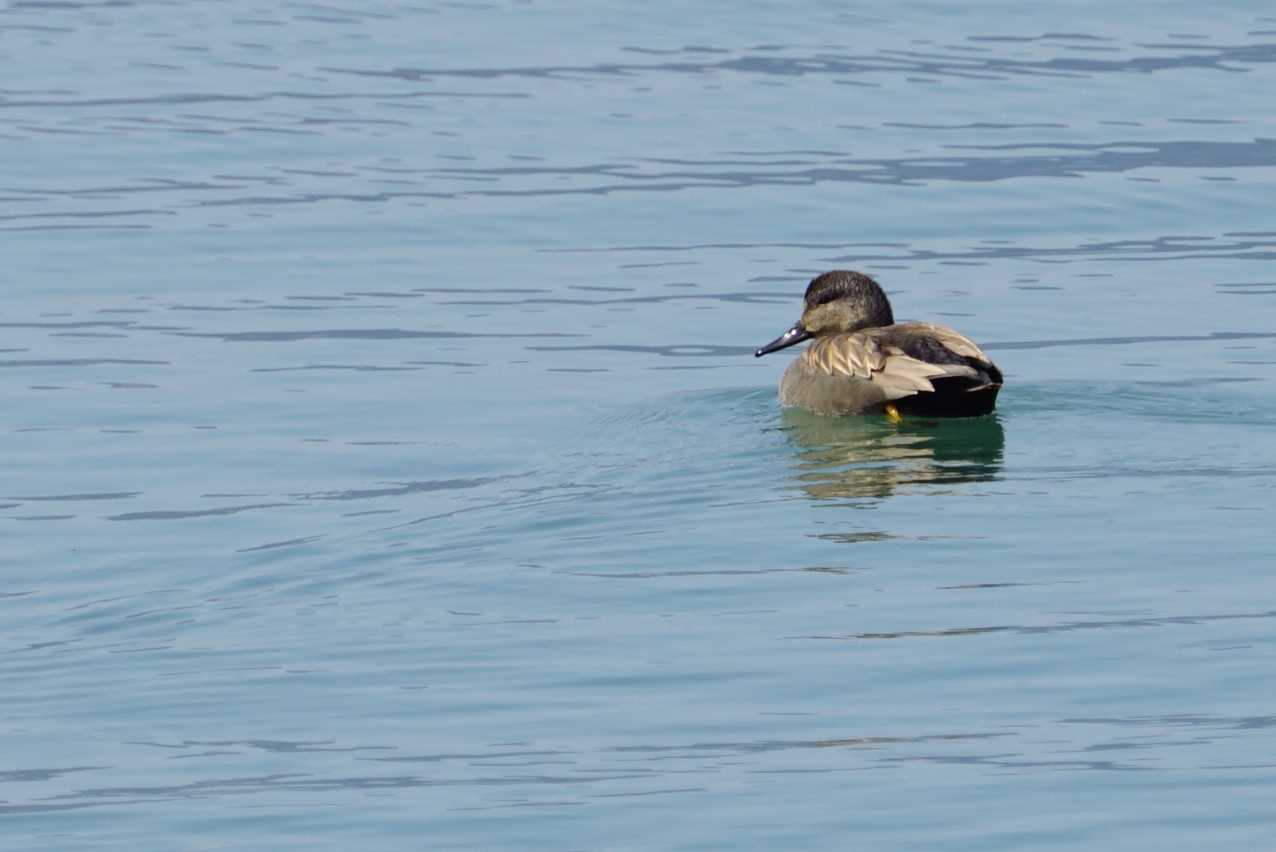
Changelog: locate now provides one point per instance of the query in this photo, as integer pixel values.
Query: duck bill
(792, 337)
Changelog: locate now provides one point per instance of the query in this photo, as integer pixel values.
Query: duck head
(836, 302)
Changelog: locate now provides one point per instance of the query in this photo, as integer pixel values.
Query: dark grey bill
(791, 337)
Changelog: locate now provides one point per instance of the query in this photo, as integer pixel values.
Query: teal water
(386, 466)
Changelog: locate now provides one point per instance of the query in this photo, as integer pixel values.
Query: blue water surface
(385, 464)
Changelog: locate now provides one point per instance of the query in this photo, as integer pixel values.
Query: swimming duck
(862, 362)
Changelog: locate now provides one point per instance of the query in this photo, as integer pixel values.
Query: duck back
(922, 368)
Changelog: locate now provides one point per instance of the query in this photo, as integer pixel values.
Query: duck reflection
(868, 457)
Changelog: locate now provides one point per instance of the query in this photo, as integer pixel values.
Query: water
(385, 464)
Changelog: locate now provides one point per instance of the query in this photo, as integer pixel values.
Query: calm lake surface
(385, 464)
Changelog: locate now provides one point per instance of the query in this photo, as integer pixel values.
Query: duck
(862, 362)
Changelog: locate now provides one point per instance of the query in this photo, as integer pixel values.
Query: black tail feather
(956, 396)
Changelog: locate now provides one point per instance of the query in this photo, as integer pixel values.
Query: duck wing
(904, 359)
